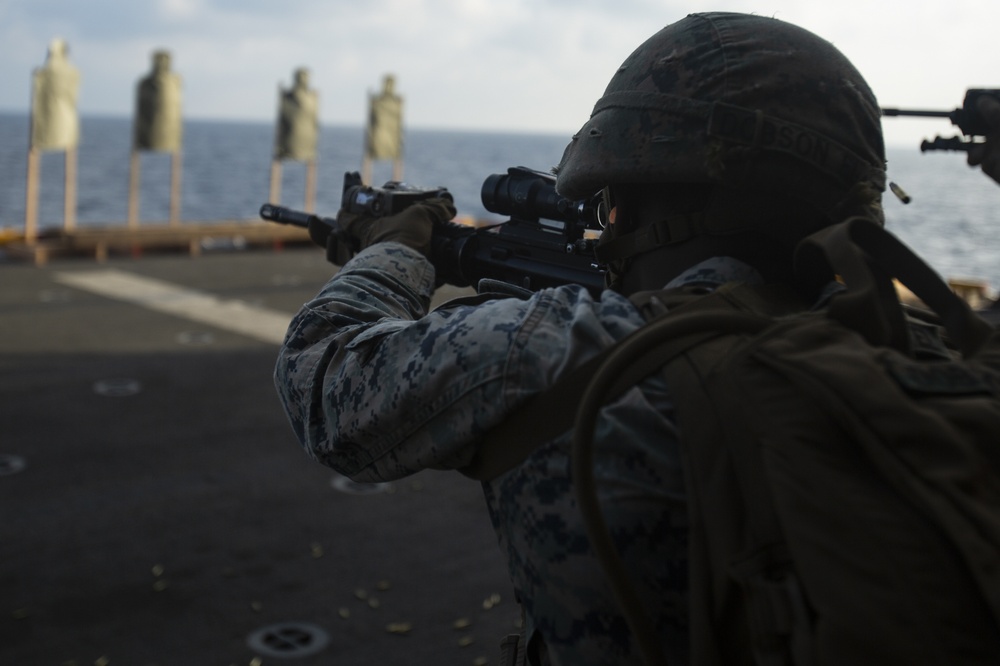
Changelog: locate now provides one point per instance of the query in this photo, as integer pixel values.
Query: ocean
(952, 219)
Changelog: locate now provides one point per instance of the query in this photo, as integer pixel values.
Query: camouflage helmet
(750, 102)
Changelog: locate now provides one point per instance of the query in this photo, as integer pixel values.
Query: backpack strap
(550, 413)
(687, 345)
(867, 257)
(869, 306)
(542, 418)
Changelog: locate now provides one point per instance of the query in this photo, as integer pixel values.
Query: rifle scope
(529, 196)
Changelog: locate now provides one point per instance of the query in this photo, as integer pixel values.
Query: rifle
(546, 242)
(966, 118)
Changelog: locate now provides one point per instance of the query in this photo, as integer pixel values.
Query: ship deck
(157, 510)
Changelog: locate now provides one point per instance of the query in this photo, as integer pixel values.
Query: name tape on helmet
(755, 129)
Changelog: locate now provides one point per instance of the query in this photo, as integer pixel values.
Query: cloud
(514, 65)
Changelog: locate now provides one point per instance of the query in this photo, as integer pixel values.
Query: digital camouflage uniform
(404, 390)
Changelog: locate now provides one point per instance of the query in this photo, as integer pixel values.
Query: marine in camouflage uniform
(377, 387)
(406, 390)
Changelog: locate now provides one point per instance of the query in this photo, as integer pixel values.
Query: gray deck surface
(157, 510)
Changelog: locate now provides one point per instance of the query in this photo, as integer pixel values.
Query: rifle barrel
(282, 215)
(917, 112)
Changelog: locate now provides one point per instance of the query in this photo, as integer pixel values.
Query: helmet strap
(673, 229)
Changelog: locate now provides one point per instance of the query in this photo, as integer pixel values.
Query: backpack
(842, 466)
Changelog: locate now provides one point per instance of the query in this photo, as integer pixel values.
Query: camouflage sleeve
(377, 388)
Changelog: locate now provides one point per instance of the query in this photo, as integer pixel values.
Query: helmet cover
(747, 101)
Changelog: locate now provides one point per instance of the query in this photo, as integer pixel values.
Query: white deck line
(235, 316)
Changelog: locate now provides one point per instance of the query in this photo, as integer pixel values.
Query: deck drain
(289, 640)
(345, 485)
(117, 388)
(195, 338)
(10, 464)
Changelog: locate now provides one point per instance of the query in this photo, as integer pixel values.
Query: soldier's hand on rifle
(413, 226)
(987, 155)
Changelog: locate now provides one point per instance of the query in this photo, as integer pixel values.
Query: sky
(494, 65)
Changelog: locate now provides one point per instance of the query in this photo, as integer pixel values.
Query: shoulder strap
(666, 332)
(540, 419)
(866, 257)
(550, 413)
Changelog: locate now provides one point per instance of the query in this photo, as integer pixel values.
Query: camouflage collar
(716, 271)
